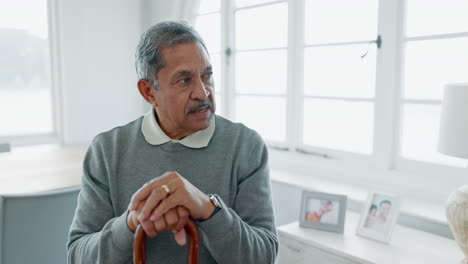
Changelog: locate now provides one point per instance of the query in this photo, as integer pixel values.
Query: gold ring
(164, 186)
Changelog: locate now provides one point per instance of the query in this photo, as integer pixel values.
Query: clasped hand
(166, 203)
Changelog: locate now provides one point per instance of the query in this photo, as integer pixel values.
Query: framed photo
(323, 211)
(379, 216)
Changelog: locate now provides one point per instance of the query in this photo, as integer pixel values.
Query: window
(339, 84)
(260, 59)
(25, 79)
(356, 81)
(436, 54)
(208, 24)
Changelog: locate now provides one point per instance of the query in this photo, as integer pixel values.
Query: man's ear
(147, 91)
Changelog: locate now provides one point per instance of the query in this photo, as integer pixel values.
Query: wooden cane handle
(139, 248)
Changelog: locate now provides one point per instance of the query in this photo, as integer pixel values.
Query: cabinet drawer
(295, 252)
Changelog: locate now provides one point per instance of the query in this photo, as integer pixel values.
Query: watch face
(215, 201)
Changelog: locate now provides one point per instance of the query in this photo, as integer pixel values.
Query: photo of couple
(378, 213)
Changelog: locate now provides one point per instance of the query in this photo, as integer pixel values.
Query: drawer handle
(294, 249)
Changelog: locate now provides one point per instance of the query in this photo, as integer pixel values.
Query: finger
(183, 215)
(134, 215)
(153, 200)
(148, 188)
(147, 225)
(165, 205)
(180, 237)
(149, 228)
(132, 225)
(160, 225)
(140, 195)
(171, 218)
(135, 222)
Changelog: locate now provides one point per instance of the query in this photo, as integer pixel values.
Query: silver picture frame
(323, 211)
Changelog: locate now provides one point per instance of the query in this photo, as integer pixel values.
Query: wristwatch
(218, 206)
(216, 201)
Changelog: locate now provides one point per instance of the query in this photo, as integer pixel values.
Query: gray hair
(148, 56)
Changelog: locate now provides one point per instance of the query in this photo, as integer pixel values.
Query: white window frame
(54, 137)
(434, 170)
(230, 100)
(384, 168)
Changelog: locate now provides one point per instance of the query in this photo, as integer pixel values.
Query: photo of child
(323, 211)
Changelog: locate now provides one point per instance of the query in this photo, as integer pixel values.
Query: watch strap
(218, 206)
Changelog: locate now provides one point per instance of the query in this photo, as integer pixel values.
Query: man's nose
(200, 91)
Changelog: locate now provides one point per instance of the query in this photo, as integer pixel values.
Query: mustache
(205, 103)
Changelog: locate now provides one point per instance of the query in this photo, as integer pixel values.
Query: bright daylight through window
(309, 75)
(436, 54)
(209, 26)
(25, 83)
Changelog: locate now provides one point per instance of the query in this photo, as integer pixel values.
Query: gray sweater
(233, 165)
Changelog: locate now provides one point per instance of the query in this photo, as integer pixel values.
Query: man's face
(185, 96)
(384, 209)
(328, 206)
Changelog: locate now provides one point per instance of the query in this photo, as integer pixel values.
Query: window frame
(231, 86)
(54, 137)
(402, 163)
(384, 168)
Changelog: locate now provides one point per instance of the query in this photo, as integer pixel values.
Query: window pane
(219, 105)
(262, 27)
(209, 27)
(216, 64)
(339, 71)
(428, 17)
(339, 125)
(29, 15)
(242, 3)
(340, 20)
(267, 115)
(208, 6)
(25, 95)
(420, 134)
(261, 72)
(25, 111)
(433, 63)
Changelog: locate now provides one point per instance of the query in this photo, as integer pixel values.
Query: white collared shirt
(156, 136)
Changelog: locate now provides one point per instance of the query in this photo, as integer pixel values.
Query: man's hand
(175, 220)
(166, 192)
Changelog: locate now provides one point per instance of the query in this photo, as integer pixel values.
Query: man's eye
(184, 80)
(208, 76)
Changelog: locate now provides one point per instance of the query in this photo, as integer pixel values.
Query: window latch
(313, 153)
(228, 52)
(377, 42)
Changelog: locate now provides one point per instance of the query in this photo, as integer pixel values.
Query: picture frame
(323, 211)
(379, 216)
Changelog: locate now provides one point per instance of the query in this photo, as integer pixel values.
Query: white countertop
(40, 168)
(431, 211)
(407, 245)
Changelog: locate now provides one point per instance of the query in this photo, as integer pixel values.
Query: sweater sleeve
(245, 233)
(97, 235)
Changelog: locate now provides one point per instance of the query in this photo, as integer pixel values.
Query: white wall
(156, 11)
(160, 10)
(98, 79)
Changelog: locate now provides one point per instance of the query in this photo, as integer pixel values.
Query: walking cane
(139, 248)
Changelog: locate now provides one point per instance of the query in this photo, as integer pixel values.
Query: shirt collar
(156, 136)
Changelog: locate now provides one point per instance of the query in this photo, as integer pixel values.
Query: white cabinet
(293, 251)
(300, 245)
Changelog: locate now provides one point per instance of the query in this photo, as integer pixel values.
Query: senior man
(179, 160)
